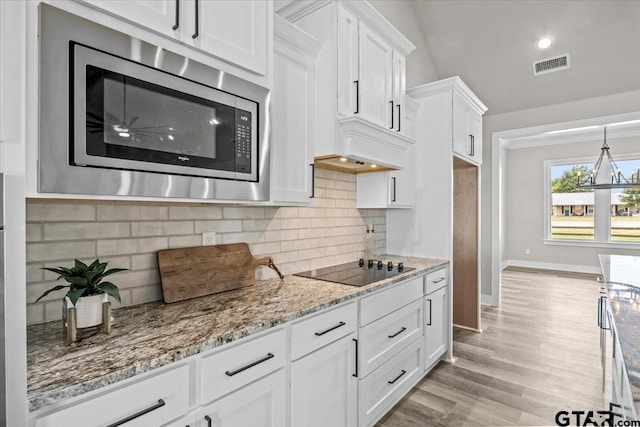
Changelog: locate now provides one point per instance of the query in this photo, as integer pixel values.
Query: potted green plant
(87, 291)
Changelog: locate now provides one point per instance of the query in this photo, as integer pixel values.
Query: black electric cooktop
(356, 273)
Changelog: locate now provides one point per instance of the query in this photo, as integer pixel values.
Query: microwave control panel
(243, 141)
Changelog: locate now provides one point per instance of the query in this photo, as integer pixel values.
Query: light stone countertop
(622, 275)
(148, 336)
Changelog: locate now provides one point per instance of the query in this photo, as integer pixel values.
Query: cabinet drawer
(157, 400)
(311, 334)
(231, 369)
(379, 305)
(387, 384)
(386, 337)
(435, 280)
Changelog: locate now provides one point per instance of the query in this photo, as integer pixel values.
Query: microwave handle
(197, 33)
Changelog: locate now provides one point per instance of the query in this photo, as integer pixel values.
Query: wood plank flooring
(539, 353)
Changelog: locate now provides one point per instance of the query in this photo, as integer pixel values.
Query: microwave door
(133, 117)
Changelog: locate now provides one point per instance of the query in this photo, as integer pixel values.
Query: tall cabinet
(446, 218)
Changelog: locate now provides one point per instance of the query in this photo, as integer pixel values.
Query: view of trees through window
(573, 209)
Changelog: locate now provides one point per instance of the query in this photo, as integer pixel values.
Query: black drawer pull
(160, 404)
(356, 374)
(197, 33)
(438, 280)
(429, 324)
(339, 325)
(250, 365)
(175, 27)
(398, 377)
(209, 421)
(398, 333)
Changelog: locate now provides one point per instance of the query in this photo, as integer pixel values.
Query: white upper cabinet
(467, 130)
(375, 79)
(371, 74)
(235, 31)
(162, 16)
(293, 114)
(348, 69)
(362, 75)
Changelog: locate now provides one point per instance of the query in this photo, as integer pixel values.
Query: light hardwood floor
(539, 353)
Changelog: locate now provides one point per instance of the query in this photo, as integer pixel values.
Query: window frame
(597, 241)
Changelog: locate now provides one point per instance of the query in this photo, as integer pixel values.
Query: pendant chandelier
(618, 180)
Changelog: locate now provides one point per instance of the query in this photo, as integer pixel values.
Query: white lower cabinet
(150, 402)
(324, 386)
(435, 330)
(386, 385)
(259, 404)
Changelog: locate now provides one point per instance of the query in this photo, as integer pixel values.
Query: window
(625, 207)
(570, 218)
(574, 211)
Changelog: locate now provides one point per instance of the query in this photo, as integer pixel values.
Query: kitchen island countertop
(622, 276)
(148, 336)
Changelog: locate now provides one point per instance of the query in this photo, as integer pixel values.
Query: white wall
(583, 109)
(525, 213)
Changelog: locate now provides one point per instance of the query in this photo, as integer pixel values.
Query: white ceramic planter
(88, 310)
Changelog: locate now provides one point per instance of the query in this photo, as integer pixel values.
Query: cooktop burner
(357, 273)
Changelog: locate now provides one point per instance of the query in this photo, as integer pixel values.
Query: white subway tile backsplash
(218, 226)
(161, 228)
(60, 250)
(131, 246)
(60, 212)
(119, 212)
(185, 241)
(195, 212)
(86, 230)
(128, 235)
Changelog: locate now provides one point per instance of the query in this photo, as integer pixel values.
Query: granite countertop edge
(38, 399)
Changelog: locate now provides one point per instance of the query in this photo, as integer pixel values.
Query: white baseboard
(488, 300)
(552, 266)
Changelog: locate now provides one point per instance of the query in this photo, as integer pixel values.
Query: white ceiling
(490, 44)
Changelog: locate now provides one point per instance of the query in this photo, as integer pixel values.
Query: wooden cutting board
(204, 270)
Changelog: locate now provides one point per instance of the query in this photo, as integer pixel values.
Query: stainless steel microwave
(120, 116)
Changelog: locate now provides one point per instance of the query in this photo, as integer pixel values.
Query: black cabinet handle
(429, 324)
(398, 377)
(473, 145)
(357, 82)
(356, 374)
(339, 325)
(160, 404)
(313, 180)
(197, 33)
(394, 188)
(600, 312)
(398, 333)
(438, 280)
(470, 152)
(175, 27)
(391, 103)
(399, 116)
(250, 365)
(207, 418)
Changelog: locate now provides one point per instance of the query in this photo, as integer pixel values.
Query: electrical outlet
(208, 238)
(527, 251)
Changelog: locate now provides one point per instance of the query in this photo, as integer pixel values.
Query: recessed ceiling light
(544, 42)
(343, 159)
(374, 166)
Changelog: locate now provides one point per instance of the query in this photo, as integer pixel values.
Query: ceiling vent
(550, 65)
